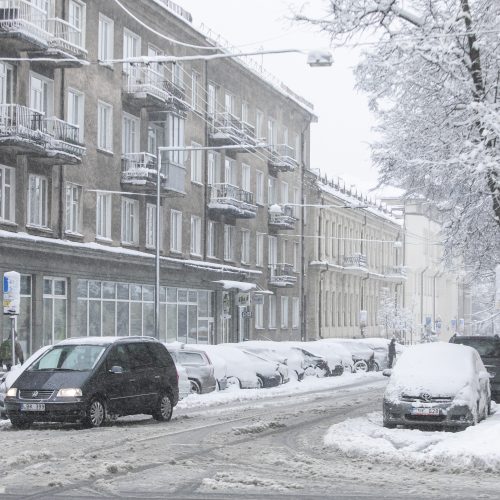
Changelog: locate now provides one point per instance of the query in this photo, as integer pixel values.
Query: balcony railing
(396, 271)
(173, 176)
(282, 275)
(66, 38)
(25, 20)
(227, 129)
(356, 260)
(232, 200)
(139, 168)
(29, 131)
(141, 81)
(282, 158)
(282, 217)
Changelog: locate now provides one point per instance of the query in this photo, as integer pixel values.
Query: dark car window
(140, 356)
(191, 358)
(159, 354)
(118, 356)
(489, 348)
(69, 357)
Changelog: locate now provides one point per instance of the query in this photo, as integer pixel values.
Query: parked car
(316, 365)
(268, 371)
(380, 347)
(363, 357)
(84, 379)
(488, 348)
(336, 363)
(199, 369)
(272, 356)
(8, 378)
(437, 384)
(183, 381)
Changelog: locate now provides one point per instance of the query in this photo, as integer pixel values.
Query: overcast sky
(340, 138)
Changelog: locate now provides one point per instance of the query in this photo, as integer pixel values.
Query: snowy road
(271, 447)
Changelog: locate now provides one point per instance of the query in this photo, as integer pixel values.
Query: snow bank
(478, 447)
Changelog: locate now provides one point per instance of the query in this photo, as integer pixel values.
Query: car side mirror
(116, 369)
(387, 372)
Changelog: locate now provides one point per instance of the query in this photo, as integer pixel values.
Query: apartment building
(353, 258)
(80, 149)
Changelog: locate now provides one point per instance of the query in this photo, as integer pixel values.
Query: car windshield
(69, 358)
(485, 347)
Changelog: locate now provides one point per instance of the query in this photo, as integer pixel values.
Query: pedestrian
(392, 352)
(6, 352)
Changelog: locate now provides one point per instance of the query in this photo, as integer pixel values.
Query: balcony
(226, 199)
(228, 130)
(140, 170)
(395, 273)
(26, 131)
(67, 42)
(23, 25)
(281, 217)
(282, 159)
(149, 88)
(355, 263)
(282, 275)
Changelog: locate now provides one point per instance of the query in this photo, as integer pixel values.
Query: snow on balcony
(282, 158)
(232, 200)
(282, 275)
(227, 129)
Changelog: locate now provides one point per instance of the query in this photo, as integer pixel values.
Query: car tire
(163, 409)
(194, 386)
(389, 425)
(361, 366)
(233, 381)
(375, 367)
(489, 407)
(20, 422)
(95, 414)
(260, 383)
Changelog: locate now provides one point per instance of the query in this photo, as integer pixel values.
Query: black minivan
(87, 379)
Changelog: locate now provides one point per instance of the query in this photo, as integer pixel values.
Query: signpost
(11, 305)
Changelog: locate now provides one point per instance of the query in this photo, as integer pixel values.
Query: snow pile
(477, 447)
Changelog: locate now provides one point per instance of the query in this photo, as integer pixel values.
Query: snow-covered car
(183, 379)
(8, 378)
(380, 347)
(268, 371)
(363, 357)
(269, 355)
(338, 357)
(437, 384)
(239, 369)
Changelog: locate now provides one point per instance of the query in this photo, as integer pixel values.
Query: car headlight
(69, 393)
(12, 392)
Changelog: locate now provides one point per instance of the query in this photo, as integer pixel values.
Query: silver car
(199, 369)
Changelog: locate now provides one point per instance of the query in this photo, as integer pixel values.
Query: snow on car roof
(100, 340)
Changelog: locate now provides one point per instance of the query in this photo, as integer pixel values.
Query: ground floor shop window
(109, 308)
(54, 310)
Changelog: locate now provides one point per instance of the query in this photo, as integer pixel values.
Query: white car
(184, 384)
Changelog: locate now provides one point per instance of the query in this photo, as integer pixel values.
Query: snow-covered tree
(432, 76)
(395, 321)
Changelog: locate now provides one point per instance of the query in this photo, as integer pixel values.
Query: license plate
(425, 411)
(32, 407)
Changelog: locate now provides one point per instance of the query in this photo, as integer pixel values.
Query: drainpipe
(61, 167)
(205, 176)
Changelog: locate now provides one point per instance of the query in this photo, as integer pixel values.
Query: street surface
(271, 448)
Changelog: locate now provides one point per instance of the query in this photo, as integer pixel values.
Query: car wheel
(20, 422)
(375, 367)
(194, 387)
(234, 382)
(163, 409)
(260, 383)
(95, 413)
(389, 425)
(488, 408)
(361, 366)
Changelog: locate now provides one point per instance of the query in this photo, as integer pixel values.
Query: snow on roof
(238, 285)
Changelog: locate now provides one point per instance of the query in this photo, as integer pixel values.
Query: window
(196, 160)
(151, 226)
(195, 235)
(212, 99)
(296, 202)
(41, 94)
(245, 246)
(285, 135)
(106, 38)
(259, 250)
(130, 134)
(175, 231)
(229, 103)
(76, 19)
(296, 253)
(295, 312)
(103, 216)
(6, 86)
(272, 257)
(284, 312)
(130, 221)
(73, 208)
(54, 310)
(297, 148)
(272, 311)
(176, 138)
(7, 194)
(195, 82)
(37, 201)
(259, 124)
(131, 48)
(228, 242)
(284, 193)
(212, 239)
(244, 112)
(259, 315)
(177, 77)
(104, 126)
(245, 178)
(213, 168)
(284, 250)
(75, 112)
(272, 132)
(271, 194)
(259, 187)
(230, 172)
